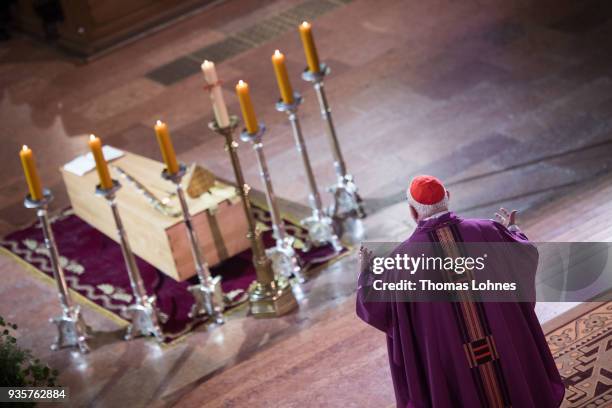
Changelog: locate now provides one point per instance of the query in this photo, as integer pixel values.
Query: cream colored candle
(216, 94)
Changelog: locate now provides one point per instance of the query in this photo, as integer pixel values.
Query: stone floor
(509, 102)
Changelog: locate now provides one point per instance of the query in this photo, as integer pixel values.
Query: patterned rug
(581, 343)
(95, 270)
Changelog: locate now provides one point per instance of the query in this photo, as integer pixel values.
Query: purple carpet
(94, 267)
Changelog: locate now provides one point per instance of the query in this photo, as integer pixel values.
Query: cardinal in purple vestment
(463, 354)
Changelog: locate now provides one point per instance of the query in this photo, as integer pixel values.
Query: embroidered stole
(478, 341)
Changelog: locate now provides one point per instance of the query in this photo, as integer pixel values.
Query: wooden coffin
(160, 239)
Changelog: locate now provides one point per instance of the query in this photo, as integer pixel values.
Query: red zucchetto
(427, 195)
(427, 190)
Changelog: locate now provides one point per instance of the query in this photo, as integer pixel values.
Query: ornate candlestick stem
(284, 259)
(268, 297)
(145, 318)
(347, 207)
(207, 294)
(319, 225)
(72, 330)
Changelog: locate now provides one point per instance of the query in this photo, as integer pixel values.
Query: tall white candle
(216, 95)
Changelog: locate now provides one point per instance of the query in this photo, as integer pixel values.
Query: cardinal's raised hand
(507, 218)
(365, 256)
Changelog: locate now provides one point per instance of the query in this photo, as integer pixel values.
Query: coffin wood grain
(159, 239)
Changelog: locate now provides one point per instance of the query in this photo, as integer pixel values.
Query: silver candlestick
(319, 224)
(346, 208)
(71, 328)
(284, 259)
(145, 318)
(207, 294)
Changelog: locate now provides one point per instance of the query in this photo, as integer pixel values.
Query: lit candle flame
(92, 137)
(25, 147)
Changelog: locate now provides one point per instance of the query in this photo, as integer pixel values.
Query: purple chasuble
(466, 354)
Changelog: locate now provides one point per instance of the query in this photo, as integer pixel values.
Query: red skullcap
(427, 190)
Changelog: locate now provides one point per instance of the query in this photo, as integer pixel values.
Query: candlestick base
(285, 261)
(321, 231)
(71, 330)
(273, 300)
(208, 298)
(144, 320)
(346, 210)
